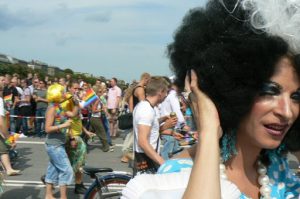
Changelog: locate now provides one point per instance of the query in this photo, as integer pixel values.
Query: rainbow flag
(89, 98)
(8, 99)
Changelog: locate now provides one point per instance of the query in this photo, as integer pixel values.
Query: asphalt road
(33, 160)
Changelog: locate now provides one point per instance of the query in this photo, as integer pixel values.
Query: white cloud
(122, 38)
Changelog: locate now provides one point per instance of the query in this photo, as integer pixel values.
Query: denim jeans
(40, 122)
(59, 171)
(170, 145)
(106, 127)
(128, 142)
(12, 121)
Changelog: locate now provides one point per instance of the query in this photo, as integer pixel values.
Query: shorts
(77, 156)
(59, 171)
(112, 116)
(4, 148)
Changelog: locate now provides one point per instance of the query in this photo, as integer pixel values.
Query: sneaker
(111, 149)
(80, 189)
(43, 179)
(105, 149)
(23, 136)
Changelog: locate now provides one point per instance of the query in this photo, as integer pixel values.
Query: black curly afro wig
(231, 59)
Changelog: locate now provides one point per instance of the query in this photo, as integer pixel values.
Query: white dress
(169, 186)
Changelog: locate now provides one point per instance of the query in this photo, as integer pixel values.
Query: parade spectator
(146, 127)
(16, 82)
(62, 81)
(138, 93)
(49, 83)
(16, 75)
(135, 93)
(169, 136)
(46, 78)
(11, 96)
(39, 96)
(97, 126)
(55, 80)
(98, 83)
(104, 115)
(76, 148)
(68, 78)
(85, 111)
(29, 79)
(4, 135)
(113, 100)
(2, 81)
(59, 169)
(80, 81)
(85, 86)
(24, 107)
(35, 76)
(35, 85)
(127, 149)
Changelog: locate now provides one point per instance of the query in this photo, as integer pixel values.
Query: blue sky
(112, 38)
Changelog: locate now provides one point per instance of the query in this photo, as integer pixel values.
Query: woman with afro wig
(239, 61)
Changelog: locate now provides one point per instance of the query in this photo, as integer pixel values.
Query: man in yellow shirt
(76, 148)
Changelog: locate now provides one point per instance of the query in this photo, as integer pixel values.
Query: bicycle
(106, 186)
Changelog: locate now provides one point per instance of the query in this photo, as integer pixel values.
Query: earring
(228, 145)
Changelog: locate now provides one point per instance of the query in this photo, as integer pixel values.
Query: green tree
(67, 70)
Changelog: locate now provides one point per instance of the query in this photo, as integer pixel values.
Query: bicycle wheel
(113, 185)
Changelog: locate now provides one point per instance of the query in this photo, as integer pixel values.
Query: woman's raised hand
(205, 172)
(204, 110)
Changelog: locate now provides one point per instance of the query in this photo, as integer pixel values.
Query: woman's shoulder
(175, 165)
(278, 162)
(51, 109)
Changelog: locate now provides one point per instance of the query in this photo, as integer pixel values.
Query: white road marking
(39, 184)
(42, 143)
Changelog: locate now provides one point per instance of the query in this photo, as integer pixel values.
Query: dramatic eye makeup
(270, 88)
(296, 95)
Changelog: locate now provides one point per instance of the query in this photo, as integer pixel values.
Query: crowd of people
(31, 107)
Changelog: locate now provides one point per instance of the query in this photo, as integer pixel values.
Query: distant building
(83, 74)
(7, 59)
(38, 65)
(22, 62)
(47, 69)
(53, 71)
